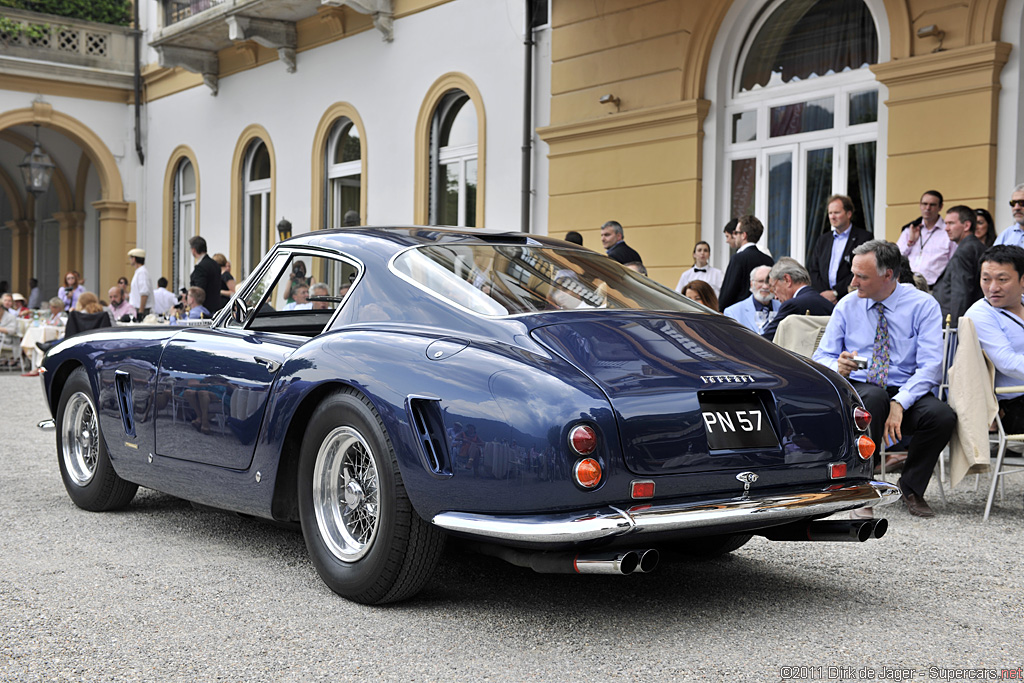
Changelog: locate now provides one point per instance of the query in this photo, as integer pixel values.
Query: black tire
(712, 546)
(89, 478)
(363, 536)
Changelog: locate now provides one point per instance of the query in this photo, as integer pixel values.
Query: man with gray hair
(791, 284)
(758, 309)
(615, 244)
(1014, 235)
(887, 341)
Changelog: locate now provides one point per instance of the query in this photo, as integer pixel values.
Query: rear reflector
(587, 473)
(642, 489)
(865, 447)
(836, 470)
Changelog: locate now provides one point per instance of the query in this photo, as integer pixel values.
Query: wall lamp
(609, 99)
(932, 31)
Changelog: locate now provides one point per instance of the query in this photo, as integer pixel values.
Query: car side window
(298, 294)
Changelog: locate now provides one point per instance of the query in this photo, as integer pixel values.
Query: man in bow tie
(701, 269)
(829, 264)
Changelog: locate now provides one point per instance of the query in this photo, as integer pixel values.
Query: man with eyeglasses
(758, 309)
(924, 240)
(1014, 235)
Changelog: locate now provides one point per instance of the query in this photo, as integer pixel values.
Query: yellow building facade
(637, 86)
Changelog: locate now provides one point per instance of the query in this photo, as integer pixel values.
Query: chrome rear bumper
(588, 525)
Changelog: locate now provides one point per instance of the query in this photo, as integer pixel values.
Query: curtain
(863, 155)
(803, 38)
(819, 187)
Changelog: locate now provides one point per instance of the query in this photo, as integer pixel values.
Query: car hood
(663, 372)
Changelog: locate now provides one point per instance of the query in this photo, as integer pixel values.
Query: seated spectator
(194, 308)
(57, 317)
(760, 308)
(20, 308)
(574, 237)
(898, 329)
(88, 315)
(71, 290)
(301, 302)
(702, 293)
(8, 328)
(701, 270)
(791, 285)
(320, 289)
(120, 309)
(163, 298)
(999, 321)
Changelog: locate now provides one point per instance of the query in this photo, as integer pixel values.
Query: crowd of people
(74, 309)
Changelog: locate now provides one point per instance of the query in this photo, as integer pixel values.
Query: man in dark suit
(206, 274)
(829, 262)
(736, 283)
(791, 284)
(959, 286)
(615, 244)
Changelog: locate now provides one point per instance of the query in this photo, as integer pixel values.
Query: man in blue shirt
(758, 309)
(1014, 235)
(898, 328)
(999, 320)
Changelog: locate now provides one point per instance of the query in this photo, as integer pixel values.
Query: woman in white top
(701, 270)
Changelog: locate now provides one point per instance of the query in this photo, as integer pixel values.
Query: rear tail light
(865, 447)
(861, 418)
(587, 473)
(583, 439)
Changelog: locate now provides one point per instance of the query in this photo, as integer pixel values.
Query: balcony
(65, 49)
(194, 31)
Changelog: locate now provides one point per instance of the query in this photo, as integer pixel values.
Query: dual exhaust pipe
(617, 562)
(852, 531)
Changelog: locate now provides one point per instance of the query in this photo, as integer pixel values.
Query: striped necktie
(878, 373)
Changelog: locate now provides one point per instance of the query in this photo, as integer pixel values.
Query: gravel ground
(164, 591)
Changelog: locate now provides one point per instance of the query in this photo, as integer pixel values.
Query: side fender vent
(425, 416)
(123, 386)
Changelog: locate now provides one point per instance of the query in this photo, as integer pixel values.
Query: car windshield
(499, 280)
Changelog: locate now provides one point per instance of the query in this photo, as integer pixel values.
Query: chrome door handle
(271, 365)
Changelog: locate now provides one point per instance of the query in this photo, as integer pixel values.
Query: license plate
(735, 421)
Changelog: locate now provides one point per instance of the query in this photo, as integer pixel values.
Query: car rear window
(498, 280)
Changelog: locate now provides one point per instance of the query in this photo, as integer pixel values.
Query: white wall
(385, 82)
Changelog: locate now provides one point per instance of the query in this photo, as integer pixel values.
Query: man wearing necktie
(829, 264)
(898, 328)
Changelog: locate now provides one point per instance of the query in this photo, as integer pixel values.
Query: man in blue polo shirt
(898, 328)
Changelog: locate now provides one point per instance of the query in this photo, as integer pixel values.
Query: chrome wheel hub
(346, 494)
(80, 442)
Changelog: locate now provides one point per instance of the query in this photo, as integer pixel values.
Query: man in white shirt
(701, 270)
(1015, 233)
(163, 300)
(301, 296)
(140, 296)
(999, 320)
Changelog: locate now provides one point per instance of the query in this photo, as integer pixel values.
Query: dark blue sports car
(390, 388)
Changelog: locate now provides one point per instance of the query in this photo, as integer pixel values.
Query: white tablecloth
(32, 335)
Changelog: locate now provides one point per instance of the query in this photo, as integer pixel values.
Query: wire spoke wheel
(81, 442)
(346, 494)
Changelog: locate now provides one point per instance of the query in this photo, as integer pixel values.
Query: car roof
(403, 237)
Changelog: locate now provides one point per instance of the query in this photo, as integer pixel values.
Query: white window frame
(458, 156)
(338, 173)
(253, 188)
(185, 229)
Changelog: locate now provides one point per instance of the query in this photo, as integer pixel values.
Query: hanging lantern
(36, 169)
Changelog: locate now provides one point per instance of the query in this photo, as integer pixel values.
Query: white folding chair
(1004, 464)
(801, 333)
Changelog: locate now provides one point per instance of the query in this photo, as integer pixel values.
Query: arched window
(256, 198)
(344, 174)
(184, 220)
(802, 121)
(453, 161)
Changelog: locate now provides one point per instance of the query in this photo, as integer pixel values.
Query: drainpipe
(527, 156)
(137, 34)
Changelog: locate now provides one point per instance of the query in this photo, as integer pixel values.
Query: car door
(214, 382)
